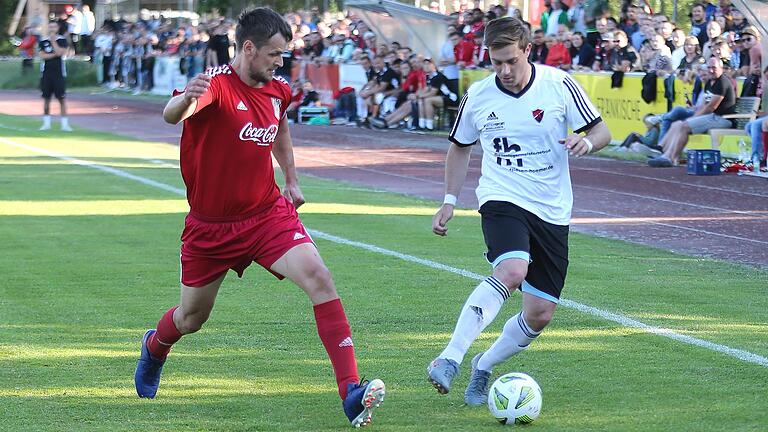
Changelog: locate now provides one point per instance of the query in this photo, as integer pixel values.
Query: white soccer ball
(515, 398)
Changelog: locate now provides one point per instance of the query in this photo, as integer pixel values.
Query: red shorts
(210, 248)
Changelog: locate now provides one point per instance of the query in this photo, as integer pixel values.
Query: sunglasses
(747, 39)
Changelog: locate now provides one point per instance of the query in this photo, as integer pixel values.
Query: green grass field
(90, 261)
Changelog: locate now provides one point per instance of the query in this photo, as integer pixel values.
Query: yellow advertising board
(622, 108)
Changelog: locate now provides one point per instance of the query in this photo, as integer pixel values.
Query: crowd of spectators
(405, 89)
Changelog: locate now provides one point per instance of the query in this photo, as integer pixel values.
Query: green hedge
(79, 74)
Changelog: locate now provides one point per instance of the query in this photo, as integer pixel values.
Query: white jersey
(523, 160)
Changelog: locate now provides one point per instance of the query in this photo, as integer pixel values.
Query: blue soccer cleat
(361, 400)
(147, 377)
(441, 373)
(477, 389)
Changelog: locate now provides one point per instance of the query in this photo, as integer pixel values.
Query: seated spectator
(688, 66)
(582, 53)
(462, 49)
(722, 100)
(441, 92)
(646, 144)
(557, 53)
(302, 95)
(604, 56)
(758, 130)
(538, 52)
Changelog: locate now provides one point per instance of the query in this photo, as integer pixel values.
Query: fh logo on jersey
(261, 136)
(538, 115)
(276, 103)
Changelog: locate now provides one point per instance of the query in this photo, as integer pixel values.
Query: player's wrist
(589, 144)
(450, 199)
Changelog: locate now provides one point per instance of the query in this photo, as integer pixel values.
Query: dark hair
(259, 25)
(507, 31)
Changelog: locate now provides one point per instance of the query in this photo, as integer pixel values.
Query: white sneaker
(644, 150)
(45, 127)
(65, 128)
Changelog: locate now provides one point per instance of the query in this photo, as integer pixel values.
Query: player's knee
(191, 322)
(539, 318)
(319, 278)
(510, 275)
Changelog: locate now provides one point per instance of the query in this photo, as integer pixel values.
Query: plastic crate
(308, 113)
(703, 162)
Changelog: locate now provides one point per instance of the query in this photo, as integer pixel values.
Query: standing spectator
(751, 42)
(738, 22)
(218, 47)
(758, 131)
(462, 50)
(713, 33)
(678, 41)
(576, 16)
(629, 24)
(557, 15)
(661, 62)
(87, 27)
(53, 47)
(699, 23)
(27, 49)
(447, 60)
(103, 52)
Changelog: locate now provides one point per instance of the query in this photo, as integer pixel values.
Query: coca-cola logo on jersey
(259, 135)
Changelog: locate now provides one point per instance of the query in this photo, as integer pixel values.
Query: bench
(746, 111)
(445, 117)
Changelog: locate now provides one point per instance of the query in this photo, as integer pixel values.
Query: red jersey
(463, 51)
(226, 146)
(415, 80)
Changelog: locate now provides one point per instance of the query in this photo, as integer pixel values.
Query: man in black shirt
(719, 99)
(441, 92)
(539, 49)
(52, 48)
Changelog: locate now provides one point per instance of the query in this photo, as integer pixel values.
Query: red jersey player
(234, 120)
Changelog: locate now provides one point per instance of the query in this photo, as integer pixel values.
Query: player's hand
(292, 192)
(575, 145)
(441, 218)
(197, 87)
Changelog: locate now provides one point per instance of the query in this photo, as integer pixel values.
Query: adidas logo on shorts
(347, 342)
(298, 236)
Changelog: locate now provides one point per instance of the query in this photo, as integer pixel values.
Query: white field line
(742, 355)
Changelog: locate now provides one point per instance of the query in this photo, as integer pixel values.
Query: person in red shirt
(462, 50)
(234, 122)
(557, 53)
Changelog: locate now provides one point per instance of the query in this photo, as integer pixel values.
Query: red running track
(724, 217)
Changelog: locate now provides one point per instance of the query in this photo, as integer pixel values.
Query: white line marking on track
(675, 182)
(742, 355)
(680, 227)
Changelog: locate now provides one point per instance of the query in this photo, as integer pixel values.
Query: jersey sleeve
(580, 113)
(464, 132)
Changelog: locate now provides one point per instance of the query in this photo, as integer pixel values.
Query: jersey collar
(525, 89)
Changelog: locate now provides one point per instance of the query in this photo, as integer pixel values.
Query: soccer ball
(515, 398)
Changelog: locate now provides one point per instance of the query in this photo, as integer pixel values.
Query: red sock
(159, 344)
(334, 331)
(765, 145)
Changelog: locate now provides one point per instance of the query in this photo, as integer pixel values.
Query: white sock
(46, 121)
(479, 311)
(64, 122)
(515, 337)
(422, 123)
(429, 123)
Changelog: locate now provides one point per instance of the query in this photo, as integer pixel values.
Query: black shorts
(512, 232)
(55, 85)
